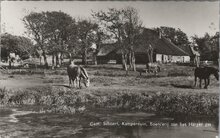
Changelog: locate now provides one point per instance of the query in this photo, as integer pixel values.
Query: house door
(154, 57)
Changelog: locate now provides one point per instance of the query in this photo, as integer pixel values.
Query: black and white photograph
(109, 69)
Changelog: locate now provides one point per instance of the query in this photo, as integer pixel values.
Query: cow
(76, 73)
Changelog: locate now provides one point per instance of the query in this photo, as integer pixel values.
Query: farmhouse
(164, 50)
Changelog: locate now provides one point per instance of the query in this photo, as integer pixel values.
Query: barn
(164, 50)
(108, 54)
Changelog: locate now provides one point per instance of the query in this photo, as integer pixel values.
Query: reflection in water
(104, 123)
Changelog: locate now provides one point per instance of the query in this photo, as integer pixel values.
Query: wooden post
(0, 54)
(150, 56)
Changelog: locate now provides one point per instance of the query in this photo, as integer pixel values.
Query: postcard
(109, 69)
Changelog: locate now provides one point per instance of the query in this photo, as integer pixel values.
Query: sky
(193, 18)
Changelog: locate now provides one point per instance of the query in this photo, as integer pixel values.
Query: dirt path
(20, 82)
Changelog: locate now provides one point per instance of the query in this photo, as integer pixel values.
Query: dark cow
(204, 73)
(76, 73)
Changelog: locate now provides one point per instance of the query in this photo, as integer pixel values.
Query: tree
(177, 36)
(35, 23)
(9, 45)
(203, 45)
(208, 46)
(19, 45)
(53, 32)
(59, 26)
(86, 34)
(214, 42)
(25, 46)
(72, 42)
(132, 29)
(100, 38)
(38, 53)
(124, 25)
(113, 21)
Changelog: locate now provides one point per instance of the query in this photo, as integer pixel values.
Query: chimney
(159, 33)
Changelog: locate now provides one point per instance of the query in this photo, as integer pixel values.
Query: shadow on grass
(149, 76)
(67, 86)
(105, 67)
(182, 86)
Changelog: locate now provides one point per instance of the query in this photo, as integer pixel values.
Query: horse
(76, 73)
(204, 73)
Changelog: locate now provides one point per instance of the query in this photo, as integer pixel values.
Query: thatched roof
(106, 49)
(149, 37)
(160, 45)
(187, 49)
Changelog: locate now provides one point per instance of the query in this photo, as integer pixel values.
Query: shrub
(72, 101)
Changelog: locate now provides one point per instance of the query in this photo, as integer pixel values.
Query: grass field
(110, 78)
(111, 87)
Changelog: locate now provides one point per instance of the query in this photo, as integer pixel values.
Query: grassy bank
(63, 100)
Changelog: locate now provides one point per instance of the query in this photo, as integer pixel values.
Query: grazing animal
(204, 73)
(153, 67)
(76, 73)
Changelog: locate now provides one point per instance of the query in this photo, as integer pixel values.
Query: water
(103, 123)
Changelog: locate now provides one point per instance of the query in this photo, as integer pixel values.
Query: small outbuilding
(108, 54)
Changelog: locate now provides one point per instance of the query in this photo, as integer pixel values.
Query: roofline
(186, 54)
